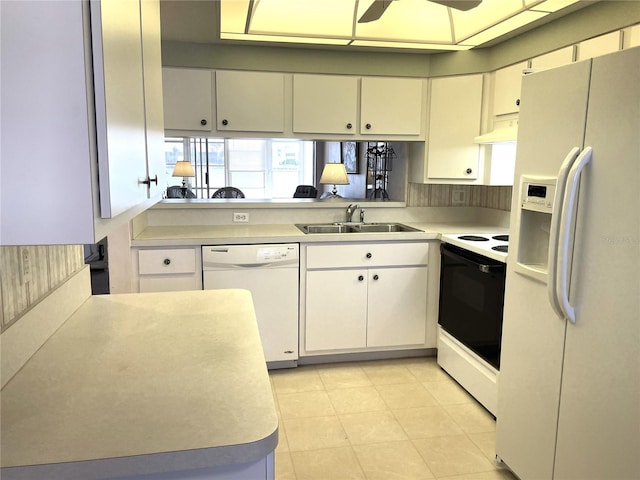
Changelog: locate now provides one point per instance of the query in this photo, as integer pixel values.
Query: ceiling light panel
(505, 27)
(330, 18)
(233, 15)
(408, 21)
(485, 15)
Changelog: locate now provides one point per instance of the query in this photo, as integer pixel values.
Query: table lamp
(183, 169)
(336, 174)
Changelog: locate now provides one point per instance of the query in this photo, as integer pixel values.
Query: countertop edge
(149, 464)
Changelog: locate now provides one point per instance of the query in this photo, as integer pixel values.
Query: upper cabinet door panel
(250, 101)
(325, 104)
(152, 64)
(120, 114)
(187, 99)
(506, 89)
(454, 121)
(391, 106)
(598, 46)
(554, 59)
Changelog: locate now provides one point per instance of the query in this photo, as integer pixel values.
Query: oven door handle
(484, 268)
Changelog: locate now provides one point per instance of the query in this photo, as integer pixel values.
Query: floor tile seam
(491, 460)
(393, 412)
(391, 407)
(355, 455)
(445, 477)
(388, 442)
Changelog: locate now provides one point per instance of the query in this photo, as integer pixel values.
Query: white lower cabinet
(168, 270)
(365, 296)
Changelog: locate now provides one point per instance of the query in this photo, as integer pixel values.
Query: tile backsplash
(48, 266)
(421, 195)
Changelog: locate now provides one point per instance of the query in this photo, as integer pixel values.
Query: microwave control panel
(538, 193)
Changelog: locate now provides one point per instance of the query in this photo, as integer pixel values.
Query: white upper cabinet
(120, 111)
(325, 104)
(631, 36)
(450, 154)
(391, 106)
(74, 138)
(507, 83)
(554, 59)
(187, 99)
(154, 113)
(597, 46)
(250, 101)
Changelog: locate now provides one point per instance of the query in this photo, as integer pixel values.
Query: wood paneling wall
(49, 265)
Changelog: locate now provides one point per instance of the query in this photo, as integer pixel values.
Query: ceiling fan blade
(463, 5)
(375, 11)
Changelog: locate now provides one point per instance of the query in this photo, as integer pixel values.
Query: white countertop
(176, 235)
(140, 384)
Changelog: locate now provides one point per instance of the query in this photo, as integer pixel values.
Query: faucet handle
(362, 215)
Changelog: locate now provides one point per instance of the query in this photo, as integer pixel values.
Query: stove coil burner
(500, 248)
(501, 238)
(473, 238)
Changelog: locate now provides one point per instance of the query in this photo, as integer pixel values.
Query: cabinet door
(187, 99)
(554, 59)
(325, 104)
(506, 89)
(152, 64)
(397, 299)
(250, 101)
(454, 121)
(598, 46)
(391, 106)
(120, 114)
(336, 310)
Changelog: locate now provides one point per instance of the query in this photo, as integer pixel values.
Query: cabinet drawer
(366, 255)
(167, 261)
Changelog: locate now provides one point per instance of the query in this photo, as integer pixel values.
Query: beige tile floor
(381, 420)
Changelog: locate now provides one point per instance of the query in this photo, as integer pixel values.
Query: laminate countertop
(138, 384)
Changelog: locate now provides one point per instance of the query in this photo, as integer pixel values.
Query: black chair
(176, 191)
(305, 191)
(228, 192)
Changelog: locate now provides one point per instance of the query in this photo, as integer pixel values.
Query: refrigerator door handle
(566, 237)
(552, 276)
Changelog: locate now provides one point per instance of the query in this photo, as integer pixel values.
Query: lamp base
(329, 195)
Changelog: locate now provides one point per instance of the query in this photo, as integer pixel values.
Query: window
(261, 168)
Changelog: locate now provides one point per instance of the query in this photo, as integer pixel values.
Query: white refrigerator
(569, 383)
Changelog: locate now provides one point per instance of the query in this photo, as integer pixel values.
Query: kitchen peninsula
(130, 385)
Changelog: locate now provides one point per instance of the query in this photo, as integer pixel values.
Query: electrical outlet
(240, 217)
(458, 197)
(25, 266)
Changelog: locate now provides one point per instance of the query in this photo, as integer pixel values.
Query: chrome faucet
(350, 209)
(362, 215)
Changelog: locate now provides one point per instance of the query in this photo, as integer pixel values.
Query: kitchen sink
(355, 228)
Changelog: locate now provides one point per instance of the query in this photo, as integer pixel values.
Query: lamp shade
(334, 173)
(183, 168)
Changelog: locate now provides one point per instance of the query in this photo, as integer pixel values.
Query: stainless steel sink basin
(382, 228)
(324, 228)
(355, 228)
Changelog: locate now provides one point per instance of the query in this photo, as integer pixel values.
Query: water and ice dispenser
(536, 205)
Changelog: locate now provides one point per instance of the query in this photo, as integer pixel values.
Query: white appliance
(470, 311)
(569, 384)
(271, 274)
(493, 245)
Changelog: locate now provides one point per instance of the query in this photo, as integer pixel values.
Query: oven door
(471, 300)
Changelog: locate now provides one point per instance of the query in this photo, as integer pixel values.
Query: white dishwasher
(271, 273)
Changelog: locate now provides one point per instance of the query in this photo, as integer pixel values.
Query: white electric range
(492, 245)
(473, 271)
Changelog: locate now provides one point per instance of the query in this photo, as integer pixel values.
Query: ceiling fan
(378, 7)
